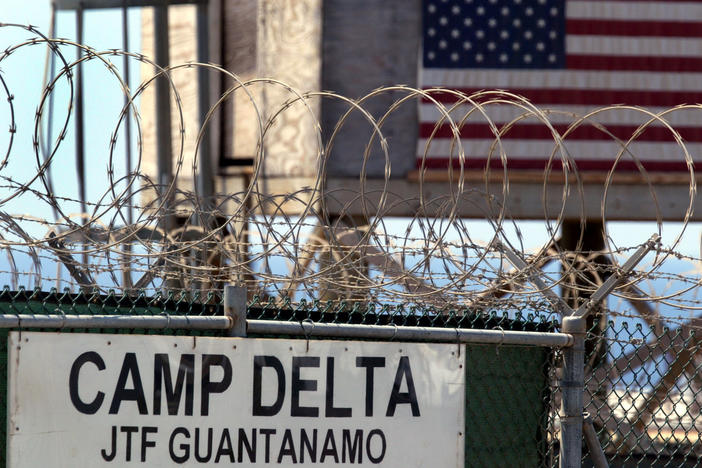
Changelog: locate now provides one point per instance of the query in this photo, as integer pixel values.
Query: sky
(24, 73)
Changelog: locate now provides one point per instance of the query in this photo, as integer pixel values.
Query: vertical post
(587, 240)
(127, 117)
(126, 246)
(235, 308)
(593, 444)
(164, 152)
(205, 179)
(80, 126)
(80, 119)
(572, 388)
(205, 175)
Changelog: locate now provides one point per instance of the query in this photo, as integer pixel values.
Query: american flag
(569, 56)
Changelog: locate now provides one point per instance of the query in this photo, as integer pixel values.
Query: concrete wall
(276, 39)
(368, 44)
(349, 48)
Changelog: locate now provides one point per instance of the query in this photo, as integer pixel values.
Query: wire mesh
(644, 393)
(510, 412)
(523, 411)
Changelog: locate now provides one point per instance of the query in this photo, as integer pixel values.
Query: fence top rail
(306, 328)
(162, 321)
(390, 332)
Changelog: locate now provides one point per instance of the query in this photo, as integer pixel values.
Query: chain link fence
(643, 392)
(642, 384)
(510, 417)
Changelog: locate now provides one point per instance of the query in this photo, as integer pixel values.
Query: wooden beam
(102, 4)
(553, 177)
(522, 200)
(525, 201)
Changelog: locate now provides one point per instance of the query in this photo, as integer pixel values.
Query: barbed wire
(333, 245)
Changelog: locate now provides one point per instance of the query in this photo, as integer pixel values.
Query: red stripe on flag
(541, 164)
(633, 28)
(633, 63)
(664, 2)
(534, 131)
(587, 97)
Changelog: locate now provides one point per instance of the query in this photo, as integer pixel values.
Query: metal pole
(47, 142)
(163, 321)
(164, 151)
(618, 276)
(47, 145)
(205, 178)
(126, 246)
(80, 126)
(389, 332)
(80, 119)
(127, 117)
(593, 443)
(235, 309)
(235, 302)
(572, 388)
(556, 300)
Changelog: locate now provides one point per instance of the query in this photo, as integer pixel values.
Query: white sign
(114, 400)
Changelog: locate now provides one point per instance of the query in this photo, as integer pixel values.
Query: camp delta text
(289, 398)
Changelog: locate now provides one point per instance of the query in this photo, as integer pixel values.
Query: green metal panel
(3, 396)
(507, 400)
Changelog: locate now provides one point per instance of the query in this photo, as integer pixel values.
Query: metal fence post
(572, 389)
(593, 443)
(235, 307)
